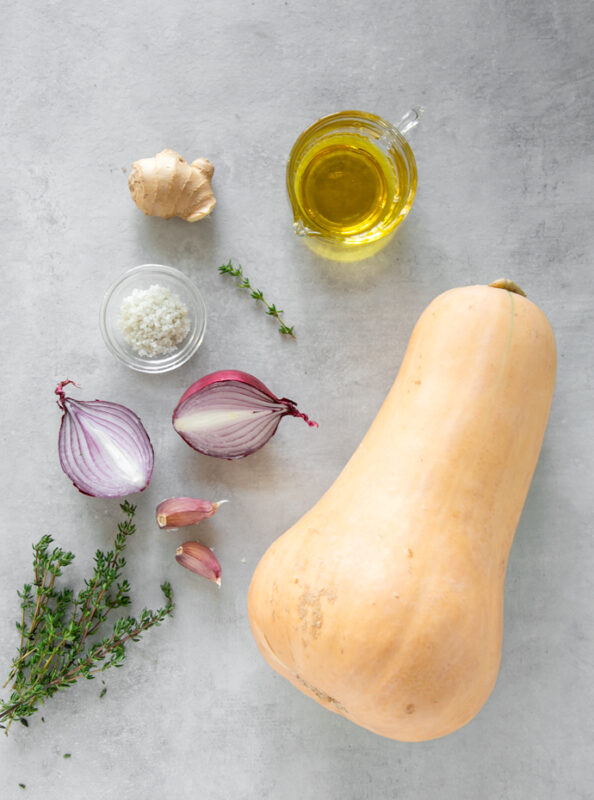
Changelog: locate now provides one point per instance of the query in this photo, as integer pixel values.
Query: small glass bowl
(143, 277)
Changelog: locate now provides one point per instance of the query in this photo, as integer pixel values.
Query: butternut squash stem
(505, 283)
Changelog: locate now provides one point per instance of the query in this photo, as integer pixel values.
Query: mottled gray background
(505, 156)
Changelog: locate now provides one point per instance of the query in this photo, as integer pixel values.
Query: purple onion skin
(139, 431)
(237, 376)
(224, 375)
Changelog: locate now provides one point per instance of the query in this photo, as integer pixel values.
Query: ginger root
(167, 186)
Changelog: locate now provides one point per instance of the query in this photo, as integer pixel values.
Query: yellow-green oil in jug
(345, 186)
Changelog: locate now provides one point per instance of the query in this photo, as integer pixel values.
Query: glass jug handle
(410, 120)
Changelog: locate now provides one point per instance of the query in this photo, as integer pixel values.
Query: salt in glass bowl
(143, 277)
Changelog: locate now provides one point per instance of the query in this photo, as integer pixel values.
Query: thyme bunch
(258, 296)
(59, 631)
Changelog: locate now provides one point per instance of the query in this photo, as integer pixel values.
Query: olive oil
(346, 186)
(351, 180)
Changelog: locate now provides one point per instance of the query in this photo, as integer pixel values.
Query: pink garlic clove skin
(177, 512)
(199, 559)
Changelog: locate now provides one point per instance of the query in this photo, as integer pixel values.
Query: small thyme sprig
(56, 627)
(258, 296)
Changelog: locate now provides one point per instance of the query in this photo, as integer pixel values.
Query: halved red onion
(230, 414)
(103, 447)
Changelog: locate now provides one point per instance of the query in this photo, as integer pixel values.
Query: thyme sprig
(258, 296)
(59, 630)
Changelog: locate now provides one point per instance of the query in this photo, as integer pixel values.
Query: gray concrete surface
(505, 156)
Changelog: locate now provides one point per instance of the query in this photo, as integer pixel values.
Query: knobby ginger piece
(167, 186)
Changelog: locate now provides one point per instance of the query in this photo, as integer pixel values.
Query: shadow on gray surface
(175, 242)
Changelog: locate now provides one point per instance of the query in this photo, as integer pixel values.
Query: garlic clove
(177, 512)
(199, 559)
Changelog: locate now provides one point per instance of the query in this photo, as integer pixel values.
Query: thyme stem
(258, 296)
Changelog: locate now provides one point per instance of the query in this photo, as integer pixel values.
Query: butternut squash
(384, 602)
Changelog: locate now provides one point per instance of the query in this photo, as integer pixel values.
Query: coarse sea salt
(153, 321)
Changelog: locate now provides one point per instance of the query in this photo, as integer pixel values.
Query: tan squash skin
(385, 601)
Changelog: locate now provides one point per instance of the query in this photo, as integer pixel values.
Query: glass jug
(351, 179)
